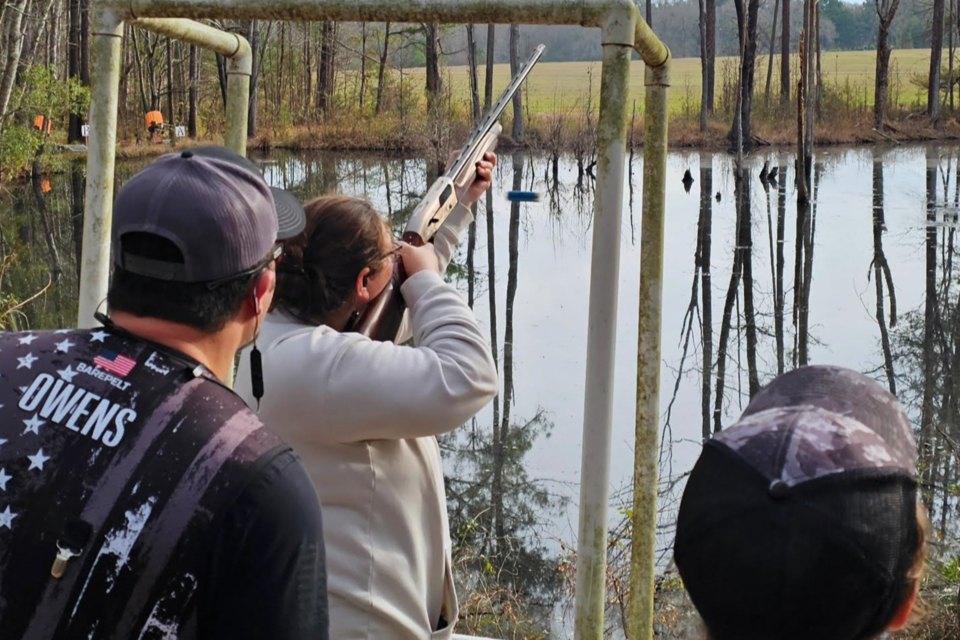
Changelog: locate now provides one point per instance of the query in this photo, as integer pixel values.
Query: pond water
(864, 197)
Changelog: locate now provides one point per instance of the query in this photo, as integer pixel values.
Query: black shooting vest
(127, 454)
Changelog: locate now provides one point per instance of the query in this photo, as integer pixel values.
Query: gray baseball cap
(800, 520)
(213, 205)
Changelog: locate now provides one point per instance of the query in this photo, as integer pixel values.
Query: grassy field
(556, 87)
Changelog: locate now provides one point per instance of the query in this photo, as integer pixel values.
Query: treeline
(351, 84)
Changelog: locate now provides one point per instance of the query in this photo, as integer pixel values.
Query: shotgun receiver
(382, 317)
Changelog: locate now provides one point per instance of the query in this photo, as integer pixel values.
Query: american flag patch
(115, 363)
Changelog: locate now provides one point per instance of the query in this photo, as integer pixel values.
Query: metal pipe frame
(107, 34)
(623, 30)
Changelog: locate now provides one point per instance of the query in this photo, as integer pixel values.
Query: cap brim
(291, 219)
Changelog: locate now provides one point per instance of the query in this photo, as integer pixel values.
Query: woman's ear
(902, 616)
(363, 293)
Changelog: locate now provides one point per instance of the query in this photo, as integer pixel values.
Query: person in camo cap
(802, 520)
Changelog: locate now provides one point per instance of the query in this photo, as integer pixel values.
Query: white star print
(98, 336)
(33, 425)
(27, 361)
(6, 518)
(3, 441)
(67, 374)
(27, 339)
(4, 478)
(63, 330)
(37, 460)
(64, 347)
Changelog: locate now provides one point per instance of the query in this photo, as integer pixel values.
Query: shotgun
(382, 317)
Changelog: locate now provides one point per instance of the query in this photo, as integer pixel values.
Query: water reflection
(873, 214)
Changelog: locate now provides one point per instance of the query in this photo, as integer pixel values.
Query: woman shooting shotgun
(363, 414)
(362, 411)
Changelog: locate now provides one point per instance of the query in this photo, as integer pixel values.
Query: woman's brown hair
(319, 267)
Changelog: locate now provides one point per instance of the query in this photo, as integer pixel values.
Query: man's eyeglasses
(275, 254)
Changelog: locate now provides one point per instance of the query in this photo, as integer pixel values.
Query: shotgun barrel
(382, 317)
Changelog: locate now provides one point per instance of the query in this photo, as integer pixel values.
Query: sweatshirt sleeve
(445, 243)
(379, 390)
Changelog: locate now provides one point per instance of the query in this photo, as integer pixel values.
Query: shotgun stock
(382, 318)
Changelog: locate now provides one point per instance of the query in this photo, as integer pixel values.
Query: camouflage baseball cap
(799, 521)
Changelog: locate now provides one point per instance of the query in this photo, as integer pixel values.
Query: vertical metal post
(618, 39)
(107, 33)
(239, 68)
(642, 560)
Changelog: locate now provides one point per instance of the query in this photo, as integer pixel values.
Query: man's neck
(215, 351)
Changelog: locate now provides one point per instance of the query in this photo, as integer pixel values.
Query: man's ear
(902, 616)
(263, 291)
(363, 279)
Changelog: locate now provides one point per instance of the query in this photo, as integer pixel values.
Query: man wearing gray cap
(803, 519)
(139, 497)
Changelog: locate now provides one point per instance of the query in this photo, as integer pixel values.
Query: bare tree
(73, 64)
(326, 73)
(785, 54)
(472, 67)
(740, 133)
(936, 52)
(711, 20)
(382, 68)
(773, 41)
(488, 80)
(519, 134)
(194, 92)
(432, 49)
(886, 11)
(704, 68)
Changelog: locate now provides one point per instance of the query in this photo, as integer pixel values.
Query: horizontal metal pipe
(588, 13)
(196, 33)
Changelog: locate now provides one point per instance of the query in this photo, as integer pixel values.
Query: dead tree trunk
(194, 92)
(740, 133)
(936, 53)
(14, 46)
(474, 79)
(73, 66)
(363, 64)
(327, 70)
(519, 133)
(172, 117)
(488, 80)
(711, 54)
(432, 48)
(886, 11)
(382, 68)
(773, 41)
(785, 54)
(704, 70)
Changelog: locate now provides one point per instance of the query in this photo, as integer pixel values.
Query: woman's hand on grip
(417, 259)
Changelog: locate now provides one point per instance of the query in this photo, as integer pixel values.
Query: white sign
(85, 130)
(181, 131)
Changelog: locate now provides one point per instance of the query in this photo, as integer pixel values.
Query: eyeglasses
(393, 253)
(275, 254)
